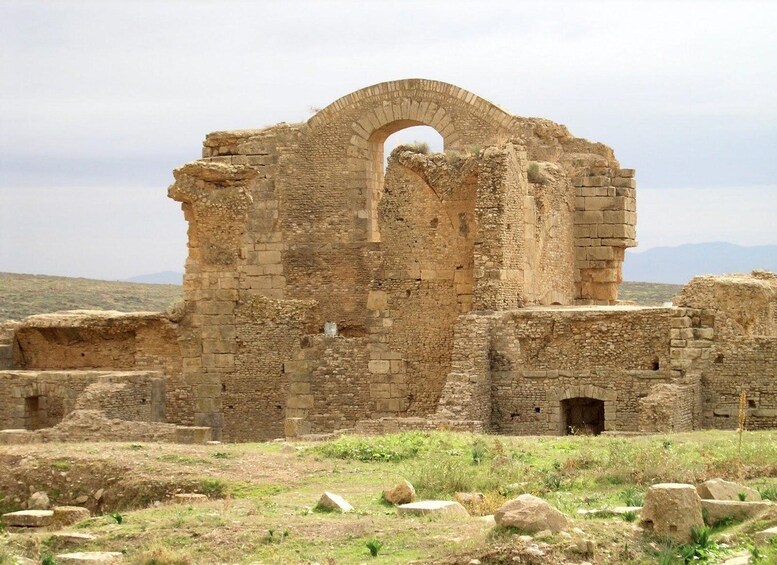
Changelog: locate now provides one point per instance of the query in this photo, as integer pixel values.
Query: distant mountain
(165, 277)
(680, 264)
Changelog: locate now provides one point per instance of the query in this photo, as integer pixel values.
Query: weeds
(213, 487)
(162, 556)
(534, 173)
(629, 516)
(374, 545)
(117, 517)
(768, 492)
(742, 496)
(49, 559)
(389, 448)
(632, 497)
(479, 451)
(418, 147)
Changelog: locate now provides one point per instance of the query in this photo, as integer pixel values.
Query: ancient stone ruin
(474, 289)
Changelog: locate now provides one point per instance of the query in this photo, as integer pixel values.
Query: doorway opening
(35, 412)
(583, 416)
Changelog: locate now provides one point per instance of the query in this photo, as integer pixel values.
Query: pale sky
(100, 101)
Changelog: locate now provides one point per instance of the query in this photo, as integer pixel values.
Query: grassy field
(263, 497)
(24, 295)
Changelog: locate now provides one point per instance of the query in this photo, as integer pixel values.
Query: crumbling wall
(41, 399)
(668, 408)
(542, 356)
(736, 315)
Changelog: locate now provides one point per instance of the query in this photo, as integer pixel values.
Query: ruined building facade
(472, 289)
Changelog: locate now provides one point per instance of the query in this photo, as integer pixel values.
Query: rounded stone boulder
(38, 501)
(529, 513)
(402, 493)
(672, 509)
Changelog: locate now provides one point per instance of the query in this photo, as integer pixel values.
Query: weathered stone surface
(28, 518)
(530, 514)
(73, 538)
(719, 489)
(608, 511)
(766, 535)
(720, 510)
(189, 498)
(333, 502)
(672, 509)
(432, 507)
(38, 501)
(401, 493)
(469, 497)
(66, 515)
(90, 557)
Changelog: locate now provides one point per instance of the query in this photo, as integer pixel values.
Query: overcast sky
(100, 101)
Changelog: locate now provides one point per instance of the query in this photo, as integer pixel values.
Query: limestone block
(672, 509)
(28, 519)
(295, 427)
(626, 173)
(73, 538)
(624, 182)
(402, 493)
(333, 502)
(90, 557)
(721, 510)
(189, 498)
(719, 489)
(432, 507)
(531, 514)
(66, 515)
(766, 535)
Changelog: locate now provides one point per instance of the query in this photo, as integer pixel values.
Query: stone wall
(41, 399)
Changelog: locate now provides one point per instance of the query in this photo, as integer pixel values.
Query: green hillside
(648, 294)
(24, 295)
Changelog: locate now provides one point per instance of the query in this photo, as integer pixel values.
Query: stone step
(73, 538)
(427, 507)
(719, 510)
(766, 535)
(28, 519)
(90, 557)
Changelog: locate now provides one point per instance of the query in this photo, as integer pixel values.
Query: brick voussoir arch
(447, 96)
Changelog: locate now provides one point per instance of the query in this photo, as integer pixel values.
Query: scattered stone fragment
(73, 537)
(720, 510)
(189, 498)
(766, 535)
(488, 520)
(82, 499)
(469, 497)
(672, 509)
(99, 494)
(90, 557)
(66, 515)
(583, 546)
(288, 449)
(740, 558)
(718, 489)
(38, 501)
(333, 502)
(530, 514)
(425, 507)
(28, 519)
(16, 560)
(402, 493)
(609, 511)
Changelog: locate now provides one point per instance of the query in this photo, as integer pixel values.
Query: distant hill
(680, 264)
(165, 277)
(24, 295)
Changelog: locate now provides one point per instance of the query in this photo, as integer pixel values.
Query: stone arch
(375, 112)
(557, 397)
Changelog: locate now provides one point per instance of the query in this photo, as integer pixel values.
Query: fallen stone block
(90, 557)
(766, 535)
(402, 493)
(469, 497)
(717, 511)
(334, 503)
(189, 498)
(72, 538)
(612, 511)
(28, 519)
(718, 489)
(672, 509)
(426, 507)
(66, 515)
(531, 514)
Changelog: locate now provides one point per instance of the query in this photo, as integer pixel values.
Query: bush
(213, 487)
(374, 546)
(418, 147)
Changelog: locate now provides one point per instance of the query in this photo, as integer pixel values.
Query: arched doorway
(582, 416)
